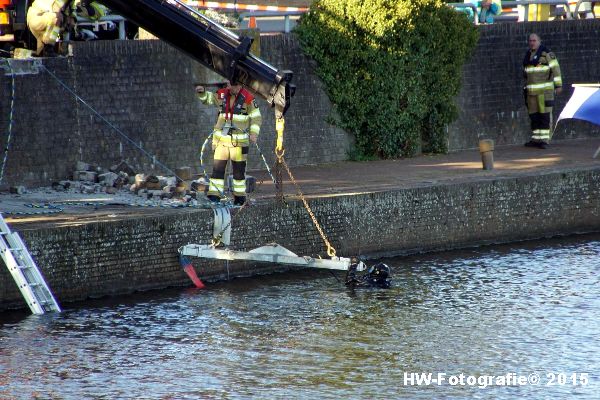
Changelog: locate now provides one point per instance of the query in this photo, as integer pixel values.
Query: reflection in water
(523, 308)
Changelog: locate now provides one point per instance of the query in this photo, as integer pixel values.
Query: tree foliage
(391, 67)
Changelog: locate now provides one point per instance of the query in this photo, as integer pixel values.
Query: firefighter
(45, 19)
(90, 10)
(542, 74)
(237, 125)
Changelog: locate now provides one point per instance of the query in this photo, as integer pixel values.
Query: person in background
(543, 78)
(46, 20)
(238, 124)
(88, 10)
(487, 10)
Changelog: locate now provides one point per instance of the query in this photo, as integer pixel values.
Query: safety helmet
(379, 272)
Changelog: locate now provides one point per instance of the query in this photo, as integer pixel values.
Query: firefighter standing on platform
(542, 73)
(237, 125)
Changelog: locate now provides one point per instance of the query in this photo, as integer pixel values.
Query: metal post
(486, 148)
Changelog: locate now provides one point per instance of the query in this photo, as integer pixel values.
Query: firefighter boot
(48, 51)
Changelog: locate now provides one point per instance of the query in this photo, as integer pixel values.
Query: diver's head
(379, 275)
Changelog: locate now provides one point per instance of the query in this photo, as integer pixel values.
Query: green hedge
(392, 69)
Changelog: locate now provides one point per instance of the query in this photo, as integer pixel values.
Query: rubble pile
(121, 184)
(90, 179)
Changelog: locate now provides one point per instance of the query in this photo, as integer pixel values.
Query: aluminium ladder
(25, 272)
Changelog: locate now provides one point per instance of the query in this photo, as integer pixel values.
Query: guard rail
(518, 10)
(270, 14)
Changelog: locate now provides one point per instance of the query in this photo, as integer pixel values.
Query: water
(521, 309)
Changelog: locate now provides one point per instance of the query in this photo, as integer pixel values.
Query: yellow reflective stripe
(240, 118)
(545, 85)
(216, 185)
(255, 113)
(203, 96)
(558, 81)
(238, 136)
(541, 68)
(553, 63)
(255, 129)
(239, 186)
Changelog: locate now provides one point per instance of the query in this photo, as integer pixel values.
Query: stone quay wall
(108, 258)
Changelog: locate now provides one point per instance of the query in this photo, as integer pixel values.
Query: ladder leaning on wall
(25, 272)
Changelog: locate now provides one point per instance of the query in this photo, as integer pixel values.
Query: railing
(519, 10)
(462, 6)
(527, 3)
(104, 22)
(270, 14)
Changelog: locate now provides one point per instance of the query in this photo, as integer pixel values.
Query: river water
(503, 311)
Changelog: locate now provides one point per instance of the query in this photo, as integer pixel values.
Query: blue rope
(127, 138)
(265, 161)
(10, 120)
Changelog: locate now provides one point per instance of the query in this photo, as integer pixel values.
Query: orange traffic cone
(252, 23)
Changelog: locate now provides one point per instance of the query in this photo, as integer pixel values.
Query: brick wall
(145, 89)
(103, 258)
(491, 102)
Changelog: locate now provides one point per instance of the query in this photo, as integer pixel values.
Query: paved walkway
(340, 179)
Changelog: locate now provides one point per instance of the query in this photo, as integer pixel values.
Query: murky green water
(520, 309)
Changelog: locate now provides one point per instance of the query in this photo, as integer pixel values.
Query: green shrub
(391, 68)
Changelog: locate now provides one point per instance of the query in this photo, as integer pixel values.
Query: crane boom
(212, 45)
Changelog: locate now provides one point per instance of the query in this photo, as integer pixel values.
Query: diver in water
(377, 276)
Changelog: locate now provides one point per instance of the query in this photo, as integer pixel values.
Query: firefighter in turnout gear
(45, 19)
(237, 125)
(90, 10)
(542, 74)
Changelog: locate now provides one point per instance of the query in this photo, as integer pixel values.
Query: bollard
(486, 148)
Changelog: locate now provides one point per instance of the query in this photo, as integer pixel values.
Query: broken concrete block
(87, 176)
(184, 173)
(87, 189)
(153, 183)
(123, 167)
(108, 178)
(155, 193)
(162, 180)
(140, 180)
(66, 184)
(171, 181)
(183, 186)
(17, 189)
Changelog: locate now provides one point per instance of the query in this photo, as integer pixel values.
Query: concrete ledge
(139, 253)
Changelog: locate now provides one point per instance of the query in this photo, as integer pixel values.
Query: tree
(391, 67)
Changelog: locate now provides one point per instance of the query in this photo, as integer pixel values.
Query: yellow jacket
(239, 116)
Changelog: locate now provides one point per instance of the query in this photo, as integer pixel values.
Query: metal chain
(330, 249)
